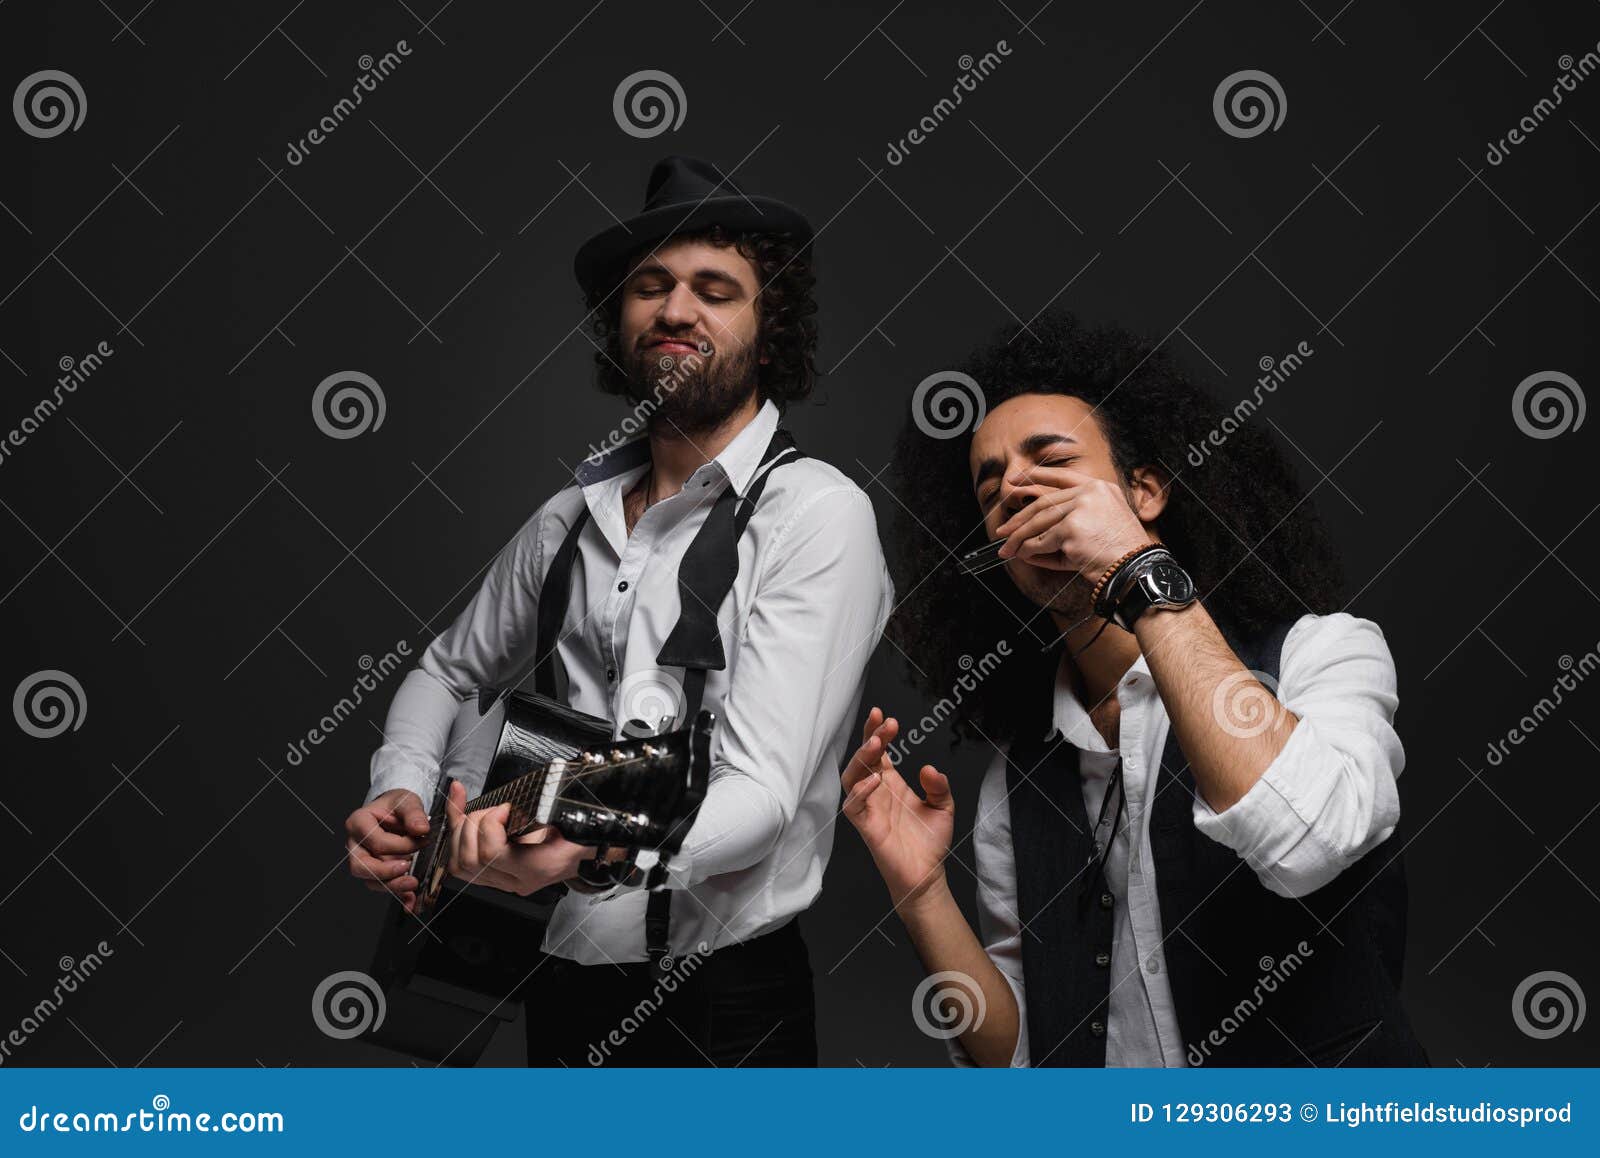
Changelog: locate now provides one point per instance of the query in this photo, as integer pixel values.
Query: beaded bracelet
(1110, 572)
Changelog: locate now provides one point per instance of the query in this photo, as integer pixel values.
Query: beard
(691, 393)
(1065, 593)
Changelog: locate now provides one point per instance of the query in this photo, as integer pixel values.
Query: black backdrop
(209, 566)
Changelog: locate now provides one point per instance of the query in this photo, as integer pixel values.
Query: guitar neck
(522, 794)
(525, 793)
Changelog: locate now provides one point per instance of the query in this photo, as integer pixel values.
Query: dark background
(184, 540)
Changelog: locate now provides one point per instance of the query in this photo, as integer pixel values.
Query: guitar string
(526, 796)
(480, 801)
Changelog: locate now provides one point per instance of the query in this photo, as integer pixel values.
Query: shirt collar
(605, 477)
(741, 457)
(1069, 717)
(737, 462)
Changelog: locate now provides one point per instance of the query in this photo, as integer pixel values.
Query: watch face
(1171, 582)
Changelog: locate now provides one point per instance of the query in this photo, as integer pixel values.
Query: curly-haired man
(1180, 847)
(703, 306)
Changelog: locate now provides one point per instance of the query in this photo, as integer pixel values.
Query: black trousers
(746, 1005)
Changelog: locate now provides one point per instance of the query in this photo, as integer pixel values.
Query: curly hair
(1238, 522)
(786, 311)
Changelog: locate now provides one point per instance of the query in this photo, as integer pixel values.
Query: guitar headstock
(630, 792)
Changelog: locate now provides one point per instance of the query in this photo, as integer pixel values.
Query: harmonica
(984, 558)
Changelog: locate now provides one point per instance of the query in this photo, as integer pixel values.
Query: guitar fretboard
(522, 794)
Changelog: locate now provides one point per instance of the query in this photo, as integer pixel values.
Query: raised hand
(1075, 522)
(908, 835)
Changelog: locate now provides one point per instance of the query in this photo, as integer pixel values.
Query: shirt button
(1152, 966)
(623, 586)
(611, 675)
(1097, 1028)
(1107, 900)
(1102, 959)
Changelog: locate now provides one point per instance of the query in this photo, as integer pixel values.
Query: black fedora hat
(684, 195)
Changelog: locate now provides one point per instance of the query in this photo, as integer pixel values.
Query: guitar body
(451, 969)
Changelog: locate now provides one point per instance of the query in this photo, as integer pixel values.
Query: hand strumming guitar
(380, 839)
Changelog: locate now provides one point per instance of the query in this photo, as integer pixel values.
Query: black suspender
(554, 598)
(705, 576)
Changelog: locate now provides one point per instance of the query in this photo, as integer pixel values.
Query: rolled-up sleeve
(1330, 796)
(999, 924)
(487, 645)
(797, 669)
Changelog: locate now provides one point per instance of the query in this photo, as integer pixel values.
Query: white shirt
(805, 613)
(1328, 798)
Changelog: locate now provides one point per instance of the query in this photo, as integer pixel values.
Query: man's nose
(678, 308)
(1011, 499)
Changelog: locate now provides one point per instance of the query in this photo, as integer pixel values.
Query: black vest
(1257, 979)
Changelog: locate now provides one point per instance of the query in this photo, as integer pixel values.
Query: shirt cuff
(395, 768)
(648, 858)
(1273, 827)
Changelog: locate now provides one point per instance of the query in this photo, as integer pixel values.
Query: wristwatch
(1151, 580)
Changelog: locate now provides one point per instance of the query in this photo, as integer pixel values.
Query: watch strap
(1132, 596)
(1102, 598)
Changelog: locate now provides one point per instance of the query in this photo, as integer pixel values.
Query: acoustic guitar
(450, 970)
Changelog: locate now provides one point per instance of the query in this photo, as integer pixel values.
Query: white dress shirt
(798, 628)
(1328, 798)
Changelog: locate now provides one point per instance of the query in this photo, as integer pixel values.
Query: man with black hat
(703, 309)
